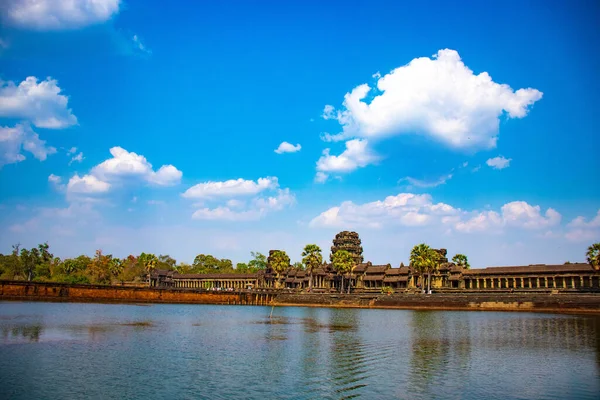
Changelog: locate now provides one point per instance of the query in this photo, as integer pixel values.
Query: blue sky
(136, 126)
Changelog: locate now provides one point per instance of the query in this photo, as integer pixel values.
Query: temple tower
(350, 242)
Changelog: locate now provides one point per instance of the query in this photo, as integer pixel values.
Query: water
(100, 351)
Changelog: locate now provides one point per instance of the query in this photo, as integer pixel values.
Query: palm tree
(342, 262)
(593, 255)
(425, 260)
(312, 258)
(461, 261)
(280, 261)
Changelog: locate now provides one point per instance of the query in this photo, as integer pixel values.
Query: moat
(74, 350)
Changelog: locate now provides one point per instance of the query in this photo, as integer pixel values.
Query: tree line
(39, 264)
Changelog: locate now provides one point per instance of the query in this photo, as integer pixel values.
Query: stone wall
(543, 302)
(15, 290)
(492, 302)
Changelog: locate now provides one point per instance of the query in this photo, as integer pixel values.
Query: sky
(228, 127)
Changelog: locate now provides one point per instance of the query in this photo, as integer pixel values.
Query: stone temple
(350, 242)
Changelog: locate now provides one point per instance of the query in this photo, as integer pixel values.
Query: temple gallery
(362, 276)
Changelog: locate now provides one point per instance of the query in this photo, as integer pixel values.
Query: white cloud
(580, 222)
(156, 202)
(286, 147)
(356, 155)
(72, 150)
(41, 103)
(258, 208)
(581, 230)
(486, 221)
(233, 203)
(412, 210)
(477, 168)
(54, 179)
(521, 214)
(235, 209)
(230, 188)
(282, 199)
(13, 141)
(426, 184)
(321, 177)
(166, 175)
(58, 14)
(327, 137)
(225, 214)
(78, 158)
(87, 184)
(126, 164)
(499, 162)
(137, 42)
(405, 209)
(438, 97)
(465, 164)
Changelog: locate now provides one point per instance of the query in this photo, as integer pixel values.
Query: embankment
(532, 302)
(568, 303)
(34, 291)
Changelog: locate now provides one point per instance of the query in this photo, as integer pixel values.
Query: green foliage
(593, 255)
(149, 261)
(207, 264)
(258, 261)
(312, 259)
(461, 260)
(342, 262)
(425, 260)
(166, 262)
(298, 265)
(241, 268)
(387, 290)
(280, 261)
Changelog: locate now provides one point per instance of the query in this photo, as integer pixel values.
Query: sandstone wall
(30, 291)
(496, 302)
(11, 290)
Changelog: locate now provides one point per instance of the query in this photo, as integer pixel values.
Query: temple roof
(377, 269)
(373, 277)
(392, 271)
(214, 276)
(531, 269)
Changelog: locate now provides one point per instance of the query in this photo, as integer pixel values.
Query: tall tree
(149, 261)
(241, 268)
(312, 259)
(205, 263)
(593, 255)
(166, 262)
(461, 260)
(258, 262)
(99, 268)
(279, 261)
(342, 261)
(425, 260)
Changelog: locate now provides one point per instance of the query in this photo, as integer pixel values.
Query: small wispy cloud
(425, 183)
(137, 42)
(499, 162)
(78, 158)
(286, 147)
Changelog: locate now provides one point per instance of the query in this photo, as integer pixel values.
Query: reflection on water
(27, 333)
(118, 351)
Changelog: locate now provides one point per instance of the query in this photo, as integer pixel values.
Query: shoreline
(565, 303)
